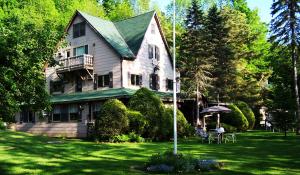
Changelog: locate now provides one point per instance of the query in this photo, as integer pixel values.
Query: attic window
(78, 30)
(153, 28)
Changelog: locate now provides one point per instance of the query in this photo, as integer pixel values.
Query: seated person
(220, 131)
(201, 132)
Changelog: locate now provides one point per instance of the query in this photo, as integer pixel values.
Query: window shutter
(167, 84)
(150, 81)
(150, 51)
(74, 52)
(140, 79)
(157, 54)
(110, 79)
(74, 31)
(86, 49)
(157, 82)
(95, 81)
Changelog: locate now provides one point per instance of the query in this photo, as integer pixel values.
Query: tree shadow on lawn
(248, 156)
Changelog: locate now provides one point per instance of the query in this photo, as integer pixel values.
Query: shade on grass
(255, 153)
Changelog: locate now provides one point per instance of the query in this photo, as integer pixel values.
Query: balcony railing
(75, 63)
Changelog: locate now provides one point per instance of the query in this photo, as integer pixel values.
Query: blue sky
(263, 7)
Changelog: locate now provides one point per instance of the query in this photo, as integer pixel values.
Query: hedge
(137, 121)
(235, 118)
(248, 113)
(112, 119)
(151, 107)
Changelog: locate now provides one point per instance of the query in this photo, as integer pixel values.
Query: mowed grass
(254, 153)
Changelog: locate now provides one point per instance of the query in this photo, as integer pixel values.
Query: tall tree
(285, 30)
(194, 64)
(217, 34)
(29, 33)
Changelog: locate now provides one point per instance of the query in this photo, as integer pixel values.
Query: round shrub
(112, 119)
(151, 107)
(248, 113)
(167, 126)
(235, 118)
(2, 125)
(137, 121)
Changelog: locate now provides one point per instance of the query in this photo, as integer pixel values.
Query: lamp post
(174, 80)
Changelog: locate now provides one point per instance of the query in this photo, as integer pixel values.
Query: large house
(101, 60)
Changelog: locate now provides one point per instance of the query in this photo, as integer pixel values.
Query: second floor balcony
(75, 63)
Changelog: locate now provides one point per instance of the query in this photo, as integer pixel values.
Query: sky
(263, 7)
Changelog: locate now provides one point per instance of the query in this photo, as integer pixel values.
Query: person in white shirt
(220, 131)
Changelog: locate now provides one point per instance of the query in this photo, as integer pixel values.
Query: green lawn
(255, 153)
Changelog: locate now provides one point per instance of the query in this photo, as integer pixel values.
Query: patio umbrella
(216, 109)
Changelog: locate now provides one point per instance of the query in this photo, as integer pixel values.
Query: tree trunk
(294, 57)
(197, 106)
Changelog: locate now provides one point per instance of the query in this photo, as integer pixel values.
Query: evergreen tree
(219, 49)
(194, 64)
(285, 28)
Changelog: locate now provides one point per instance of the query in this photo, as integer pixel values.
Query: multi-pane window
(153, 52)
(154, 82)
(96, 110)
(136, 80)
(27, 116)
(81, 50)
(169, 84)
(73, 111)
(78, 30)
(56, 86)
(56, 113)
(103, 80)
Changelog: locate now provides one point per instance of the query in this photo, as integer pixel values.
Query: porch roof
(100, 95)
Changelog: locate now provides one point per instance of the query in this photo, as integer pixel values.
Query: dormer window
(153, 52)
(81, 50)
(78, 30)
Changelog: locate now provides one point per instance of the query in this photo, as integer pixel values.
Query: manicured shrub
(131, 137)
(151, 107)
(167, 126)
(119, 138)
(235, 118)
(112, 119)
(177, 163)
(248, 113)
(2, 125)
(137, 121)
(167, 162)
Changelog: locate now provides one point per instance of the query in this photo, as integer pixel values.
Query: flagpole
(174, 80)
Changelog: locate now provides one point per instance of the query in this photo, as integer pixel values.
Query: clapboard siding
(54, 129)
(143, 65)
(105, 58)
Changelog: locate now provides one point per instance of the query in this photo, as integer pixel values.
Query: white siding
(105, 58)
(143, 65)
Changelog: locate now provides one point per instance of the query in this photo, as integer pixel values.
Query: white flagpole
(174, 81)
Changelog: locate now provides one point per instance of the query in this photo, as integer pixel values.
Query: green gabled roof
(110, 33)
(133, 29)
(99, 95)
